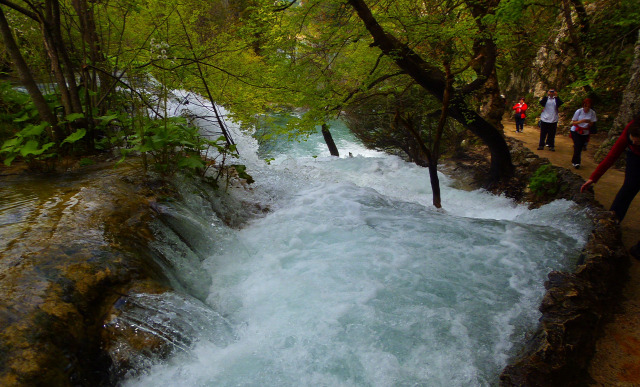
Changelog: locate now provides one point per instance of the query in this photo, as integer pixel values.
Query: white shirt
(580, 114)
(549, 113)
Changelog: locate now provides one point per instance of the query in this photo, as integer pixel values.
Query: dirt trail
(617, 358)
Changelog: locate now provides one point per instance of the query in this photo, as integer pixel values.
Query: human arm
(616, 150)
(584, 119)
(586, 185)
(575, 120)
(543, 101)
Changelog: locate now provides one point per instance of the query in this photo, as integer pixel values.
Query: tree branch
(22, 10)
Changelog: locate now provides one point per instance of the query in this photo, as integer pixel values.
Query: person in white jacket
(549, 120)
(583, 119)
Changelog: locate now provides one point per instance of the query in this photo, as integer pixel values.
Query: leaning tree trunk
(46, 114)
(425, 154)
(329, 140)
(433, 80)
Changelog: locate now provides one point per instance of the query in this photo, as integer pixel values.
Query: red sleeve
(621, 144)
(524, 107)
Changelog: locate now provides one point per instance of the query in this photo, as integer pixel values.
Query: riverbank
(616, 361)
(71, 245)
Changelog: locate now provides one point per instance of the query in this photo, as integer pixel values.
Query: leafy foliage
(373, 121)
(173, 144)
(544, 181)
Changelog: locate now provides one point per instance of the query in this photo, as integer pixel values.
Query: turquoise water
(353, 279)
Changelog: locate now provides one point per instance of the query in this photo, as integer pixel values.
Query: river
(353, 278)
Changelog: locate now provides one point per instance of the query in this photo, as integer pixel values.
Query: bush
(544, 181)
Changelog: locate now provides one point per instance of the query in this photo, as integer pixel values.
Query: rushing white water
(354, 279)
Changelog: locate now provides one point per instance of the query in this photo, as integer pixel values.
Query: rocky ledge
(576, 304)
(79, 257)
(66, 257)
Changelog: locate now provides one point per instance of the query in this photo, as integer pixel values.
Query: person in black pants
(520, 113)
(628, 141)
(549, 120)
(581, 123)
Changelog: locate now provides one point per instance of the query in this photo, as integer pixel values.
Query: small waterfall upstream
(351, 278)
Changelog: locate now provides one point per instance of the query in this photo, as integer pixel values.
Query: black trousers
(519, 123)
(578, 145)
(548, 133)
(629, 188)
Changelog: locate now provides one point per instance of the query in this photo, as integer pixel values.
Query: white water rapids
(354, 279)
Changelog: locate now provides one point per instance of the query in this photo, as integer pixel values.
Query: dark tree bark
(329, 140)
(434, 81)
(425, 154)
(492, 108)
(59, 48)
(93, 58)
(26, 77)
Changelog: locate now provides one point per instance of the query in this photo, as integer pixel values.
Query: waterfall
(352, 278)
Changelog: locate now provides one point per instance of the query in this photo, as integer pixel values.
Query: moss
(544, 181)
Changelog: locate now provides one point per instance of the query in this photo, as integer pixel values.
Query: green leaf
(106, 119)
(242, 173)
(23, 118)
(8, 145)
(30, 148)
(73, 116)
(47, 146)
(9, 160)
(33, 130)
(190, 162)
(75, 136)
(187, 144)
(146, 147)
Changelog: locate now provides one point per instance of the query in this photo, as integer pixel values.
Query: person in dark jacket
(549, 120)
(628, 141)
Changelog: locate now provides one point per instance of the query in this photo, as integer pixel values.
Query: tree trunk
(329, 140)
(56, 68)
(435, 185)
(92, 51)
(68, 67)
(433, 80)
(425, 153)
(492, 108)
(46, 114)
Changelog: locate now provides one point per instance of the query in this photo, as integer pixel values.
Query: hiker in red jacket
(629, 140)
(519, 114)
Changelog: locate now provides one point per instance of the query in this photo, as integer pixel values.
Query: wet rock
(69, 255)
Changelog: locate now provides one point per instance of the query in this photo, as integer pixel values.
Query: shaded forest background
(415, 78)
